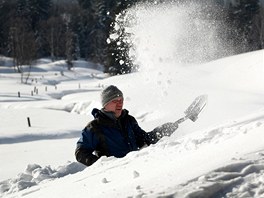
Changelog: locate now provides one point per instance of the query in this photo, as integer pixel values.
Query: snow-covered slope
(221, 153)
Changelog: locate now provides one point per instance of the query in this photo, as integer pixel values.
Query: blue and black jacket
(107, 136)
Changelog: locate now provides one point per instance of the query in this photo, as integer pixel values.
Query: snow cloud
(172, 32)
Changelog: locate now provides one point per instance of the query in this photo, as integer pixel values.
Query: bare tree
(22, 47)
(54, 31)
(71, 48)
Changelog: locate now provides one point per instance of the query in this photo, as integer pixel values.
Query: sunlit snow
(219, 155)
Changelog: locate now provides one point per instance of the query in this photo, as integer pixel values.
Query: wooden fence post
(29, 124)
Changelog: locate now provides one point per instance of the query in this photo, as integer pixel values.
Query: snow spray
(170, 33)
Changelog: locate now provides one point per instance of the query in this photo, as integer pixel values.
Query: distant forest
(31, 29)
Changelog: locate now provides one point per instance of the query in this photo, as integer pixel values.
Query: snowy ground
(219, 155)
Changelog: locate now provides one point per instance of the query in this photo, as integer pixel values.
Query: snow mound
(35, 174)
(84, 107)
(239, 179)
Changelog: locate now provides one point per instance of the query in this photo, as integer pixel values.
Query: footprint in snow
(105, 181)
(136, 174)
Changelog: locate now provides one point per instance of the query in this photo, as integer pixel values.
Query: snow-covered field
(219, 155)
(222, 153)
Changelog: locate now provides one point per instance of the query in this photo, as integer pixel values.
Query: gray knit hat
(109, 93)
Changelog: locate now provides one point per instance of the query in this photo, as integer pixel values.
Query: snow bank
(225, 160)
(243, 178)
(35, 174)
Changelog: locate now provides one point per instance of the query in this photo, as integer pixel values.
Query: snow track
(240, 179)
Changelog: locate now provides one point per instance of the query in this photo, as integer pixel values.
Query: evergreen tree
(82, 26)
(7, 10)
(98, 34)
(102, 14)
(242, 18)
(34, 10)
(260, 26)
(120, 62)
(85, 4)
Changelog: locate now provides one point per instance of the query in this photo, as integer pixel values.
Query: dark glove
(85, 157)
(166, 129)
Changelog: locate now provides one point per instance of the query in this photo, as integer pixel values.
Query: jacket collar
(107, 118)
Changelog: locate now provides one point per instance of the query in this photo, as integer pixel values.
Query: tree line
(31, 29)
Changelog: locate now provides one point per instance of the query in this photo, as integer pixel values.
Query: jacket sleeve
(86, 145)
(143, 137)
(155, 135)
